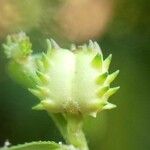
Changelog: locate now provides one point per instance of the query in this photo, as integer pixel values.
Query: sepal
(106, 63)
(111, 91)
(36, 93)
(109, 106)
(93, 46)
(97, 61)
(111, 77)
(50, 106)
(101, 78)
(38, 107)
(102, 91)
(42, 77)
(54, 45)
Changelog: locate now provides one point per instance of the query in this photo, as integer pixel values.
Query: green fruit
(73, 81)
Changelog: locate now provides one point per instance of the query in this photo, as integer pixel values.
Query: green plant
(70, 84)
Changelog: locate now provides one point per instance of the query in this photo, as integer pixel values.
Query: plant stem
(70, 127)
(75, 135)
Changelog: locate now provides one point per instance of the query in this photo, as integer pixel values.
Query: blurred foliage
(15, 15)
(64, 20)
(126, 127)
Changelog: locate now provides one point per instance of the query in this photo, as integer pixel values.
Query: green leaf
(38, 146)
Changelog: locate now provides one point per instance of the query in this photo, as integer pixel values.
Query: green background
(125, 128)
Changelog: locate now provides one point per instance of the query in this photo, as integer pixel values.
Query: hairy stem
(75, 135)
(71, 129)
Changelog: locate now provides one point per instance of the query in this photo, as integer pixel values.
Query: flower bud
(74, 81)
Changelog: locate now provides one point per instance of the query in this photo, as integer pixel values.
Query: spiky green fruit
(73, 81)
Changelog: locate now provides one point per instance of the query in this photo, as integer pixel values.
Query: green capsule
(72, 81)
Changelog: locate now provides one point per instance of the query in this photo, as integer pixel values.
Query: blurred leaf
(37, 146)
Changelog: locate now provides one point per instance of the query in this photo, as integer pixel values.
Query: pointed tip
(109, 106)
(91, 45)
(49, 45)
(43, 77)
(109, 57)
(38, 107)
(44, 90)
(54, 44)
(97, 48)
(40, 88)
(93, 114)
(40, 64)
(46, 61)
(111, 92)
(44, 55)
(35, 92)
(97, 61)
(101, 78)
(106, 63)
(116, 73)
(102, 91)
(117, 88)
(35, 78)
(50, 105)
(111, 77)
(73, 47)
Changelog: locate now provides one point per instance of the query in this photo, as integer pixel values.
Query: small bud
(17, 46)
